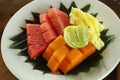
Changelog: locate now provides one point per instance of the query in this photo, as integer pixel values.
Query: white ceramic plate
(24, 71)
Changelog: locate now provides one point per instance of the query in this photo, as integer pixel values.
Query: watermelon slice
(48, 31)
(59, 19)
(39, 36)
(44, 18)
(35, 40)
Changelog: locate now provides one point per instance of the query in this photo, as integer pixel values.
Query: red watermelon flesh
(47, 32)
(35, 40)
(44, 18)
(35, 51)
(47, 28)
(59, 19)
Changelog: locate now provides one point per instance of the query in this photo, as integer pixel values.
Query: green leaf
(36, 17)
(94, 14)
(104, 32)
(73, 4)
(101, 22)
(106, 38)
(20, 45)
(86, 8)
(63, 8)
(20, 35)
(32, 61)
(109, 38)
(23, 52)
(23, 29)
(41, 65)
(97, 59)
(30, 21)
(19, 40)
(51, 6)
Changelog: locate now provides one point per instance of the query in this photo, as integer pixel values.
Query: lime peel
(76, 36)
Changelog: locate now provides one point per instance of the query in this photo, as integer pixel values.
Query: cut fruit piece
(44, 18)
(58, 55)
(35, 51)
(53, 64)
(78, 17)
(48, 32)
(57, 43)
(48, 53)
(46, 27)
(65, 66)
(49, 36)
(35, 40)
(74, 58)
(76, 36)
(59, 19)
(88, 50)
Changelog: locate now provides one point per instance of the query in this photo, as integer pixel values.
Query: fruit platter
(60, 39)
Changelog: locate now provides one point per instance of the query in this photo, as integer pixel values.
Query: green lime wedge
(76, 36)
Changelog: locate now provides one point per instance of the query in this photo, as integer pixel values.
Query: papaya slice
(65, 66)
(58, 55)
(75, 57)
(57, 43)
(71, 60)
(88, 50)
(53, 64)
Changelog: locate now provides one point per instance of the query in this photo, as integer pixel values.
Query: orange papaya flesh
(54, 45)
(65, 66)
(61, 53)
(88, 50)
(57, 43)
(48, 53)
(53, 64)
(58, 55)
(74, 58)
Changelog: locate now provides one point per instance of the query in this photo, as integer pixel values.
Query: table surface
(9, 7)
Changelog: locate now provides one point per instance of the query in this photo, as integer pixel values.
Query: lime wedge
(76, 36)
